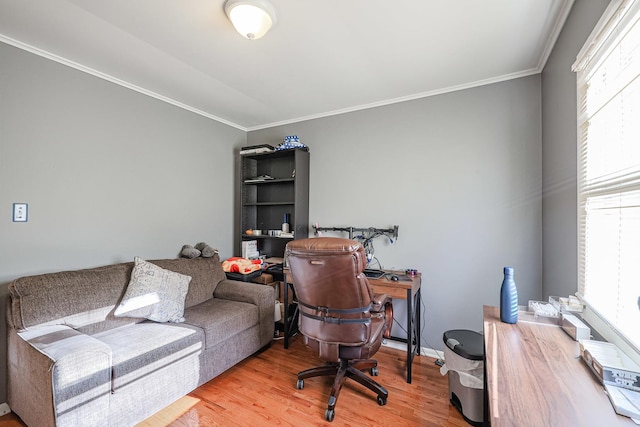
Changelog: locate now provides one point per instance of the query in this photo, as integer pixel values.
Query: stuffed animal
(206, 250)
(201, 249)
(189, 251)
(241, 265)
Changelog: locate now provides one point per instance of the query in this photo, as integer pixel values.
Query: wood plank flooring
(260, 391)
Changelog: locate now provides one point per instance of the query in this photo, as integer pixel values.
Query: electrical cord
(369, 264)
(440, 359)
(366, 239)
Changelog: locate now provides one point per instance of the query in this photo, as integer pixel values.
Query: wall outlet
(4, 409)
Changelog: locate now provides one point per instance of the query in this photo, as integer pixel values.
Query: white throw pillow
(154, 293)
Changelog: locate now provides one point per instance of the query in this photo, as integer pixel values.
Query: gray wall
(460, 174)
(108, 174)
(559, 158)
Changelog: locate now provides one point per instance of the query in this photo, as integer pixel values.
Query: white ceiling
(322, 57)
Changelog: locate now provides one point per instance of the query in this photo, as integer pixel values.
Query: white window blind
(608, 79)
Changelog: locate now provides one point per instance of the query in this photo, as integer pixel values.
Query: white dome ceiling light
(251, 18)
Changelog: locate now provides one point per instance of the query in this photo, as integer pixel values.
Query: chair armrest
(383, 302)
(380, 301)
(262, 296)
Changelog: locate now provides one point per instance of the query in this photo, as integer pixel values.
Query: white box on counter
(610, 364)
(574, 327)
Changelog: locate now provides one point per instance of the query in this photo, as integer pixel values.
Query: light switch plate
(20, 212)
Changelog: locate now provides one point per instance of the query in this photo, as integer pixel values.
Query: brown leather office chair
(340, 317)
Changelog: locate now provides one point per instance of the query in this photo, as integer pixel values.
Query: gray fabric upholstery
(78, 367)
(61, 298)
(231, 318)
(134, 402)
(222, 357)
(143, 348)
(72, 363)
(206, 274)
(261, 296)
(154, 293)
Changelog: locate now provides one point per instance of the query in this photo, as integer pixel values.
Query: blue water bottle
(508, 298)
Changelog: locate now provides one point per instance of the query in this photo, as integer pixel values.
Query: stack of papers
(625, 402)
(257, 149)
(619, 374)
(610, 365)
(260, 178)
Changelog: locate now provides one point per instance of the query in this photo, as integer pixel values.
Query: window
(608, 77)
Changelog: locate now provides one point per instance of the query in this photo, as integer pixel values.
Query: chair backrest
(333, 293)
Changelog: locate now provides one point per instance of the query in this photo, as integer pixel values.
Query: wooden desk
(534, 377)
(410, 292)
(405, 290)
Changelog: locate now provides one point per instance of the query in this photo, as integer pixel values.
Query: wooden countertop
(535, 377)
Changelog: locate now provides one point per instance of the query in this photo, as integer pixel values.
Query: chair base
(342, 370)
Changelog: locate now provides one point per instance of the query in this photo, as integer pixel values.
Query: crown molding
(548, 48)
(112, 79)
(413, 97)
(557, 26)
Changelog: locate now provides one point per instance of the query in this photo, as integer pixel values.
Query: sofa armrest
(59, 376)
(253, 293)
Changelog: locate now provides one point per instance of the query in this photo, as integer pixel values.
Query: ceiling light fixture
(251, 18)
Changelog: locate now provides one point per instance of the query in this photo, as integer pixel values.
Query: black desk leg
(413, 330)
(286, 315)
(409, 335)
(418, 315)
(290, 316)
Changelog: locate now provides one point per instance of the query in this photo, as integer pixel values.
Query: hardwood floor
(261, 391)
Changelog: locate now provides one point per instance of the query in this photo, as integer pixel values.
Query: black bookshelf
(270, 186)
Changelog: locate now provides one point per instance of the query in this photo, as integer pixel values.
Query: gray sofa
(71, 362)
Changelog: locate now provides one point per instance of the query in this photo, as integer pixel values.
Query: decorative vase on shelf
(508, 298)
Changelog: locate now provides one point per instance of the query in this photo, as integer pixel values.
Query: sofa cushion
(205, 274)
(154, 293)
(221, 319)
(139, 350)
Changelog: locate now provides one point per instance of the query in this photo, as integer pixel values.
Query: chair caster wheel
(329, 414)
(382, 400)
(300, 384)
(374, 371)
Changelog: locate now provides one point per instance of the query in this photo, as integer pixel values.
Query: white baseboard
(4, 409)
(394, 344)
(430, 352)
(424, 351)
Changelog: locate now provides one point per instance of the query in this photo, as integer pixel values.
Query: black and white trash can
(464, 364)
